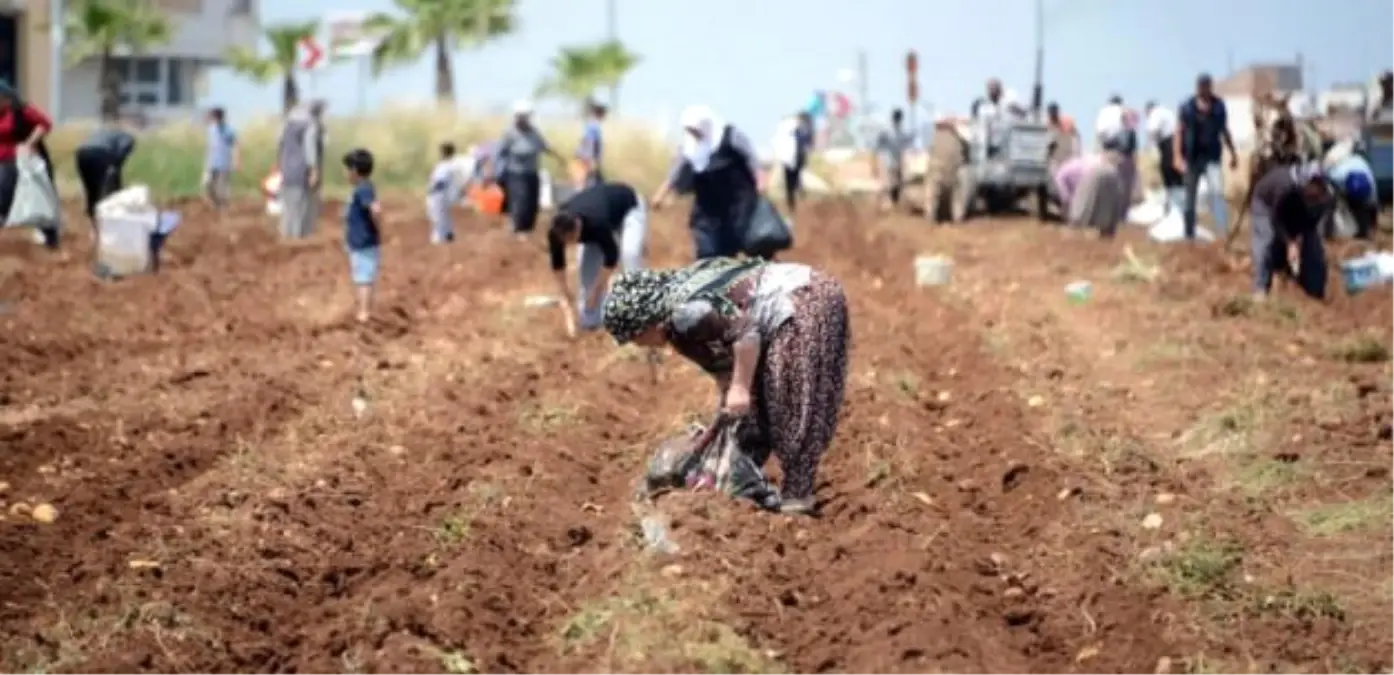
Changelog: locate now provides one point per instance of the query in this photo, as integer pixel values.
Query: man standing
(793, 144)
(300, 153)
(1202, 136)
(592, 146)
(222, 159)
(891, 145)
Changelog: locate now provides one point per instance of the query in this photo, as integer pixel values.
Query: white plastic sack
(1172, 228)
(123, 246)
(134, 199)
(36, 201)
(1384, 262)
(1150, 210)
(546, 192)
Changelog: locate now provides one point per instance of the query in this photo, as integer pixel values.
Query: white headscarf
(698, 152)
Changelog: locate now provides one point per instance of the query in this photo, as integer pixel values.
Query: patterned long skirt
(800, 385)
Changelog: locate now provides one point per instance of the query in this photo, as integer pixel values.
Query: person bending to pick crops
(1353, 180)
(719, 163)
(609, 224)
(100, 159)
(1285, 210)
(516, 168)
(592, 147)
(774, 336)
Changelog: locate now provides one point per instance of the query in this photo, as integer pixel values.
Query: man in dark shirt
(1202, 135)
(1286, 209)
(610, 224)
(100, 158)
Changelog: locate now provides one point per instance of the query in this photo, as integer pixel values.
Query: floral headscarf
(641, 299)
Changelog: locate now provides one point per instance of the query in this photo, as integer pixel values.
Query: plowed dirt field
(1165, 477)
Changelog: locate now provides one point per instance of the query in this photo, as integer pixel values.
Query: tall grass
(404, 141)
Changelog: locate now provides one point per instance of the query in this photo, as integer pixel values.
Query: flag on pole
(348, 36)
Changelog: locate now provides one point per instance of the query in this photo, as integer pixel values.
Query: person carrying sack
(22, 128)
(720, 164)
(100, 160)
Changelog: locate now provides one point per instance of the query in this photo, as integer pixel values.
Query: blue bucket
(1359, 274)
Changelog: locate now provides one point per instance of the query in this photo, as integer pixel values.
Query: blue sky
(754, 60)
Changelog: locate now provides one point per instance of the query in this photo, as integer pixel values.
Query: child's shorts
(363, 265)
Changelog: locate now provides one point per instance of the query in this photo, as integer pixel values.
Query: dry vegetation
(405, 142)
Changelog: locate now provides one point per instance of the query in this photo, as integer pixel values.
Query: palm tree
(285, 39)
(443, 25)
(97, 28)
(578, 71)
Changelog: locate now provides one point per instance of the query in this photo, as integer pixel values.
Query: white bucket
(933, 270)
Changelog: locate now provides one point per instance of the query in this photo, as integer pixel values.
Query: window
(175, 77)
(241, 8)
(147, 81)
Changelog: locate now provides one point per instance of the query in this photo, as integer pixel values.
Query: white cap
(522, 107)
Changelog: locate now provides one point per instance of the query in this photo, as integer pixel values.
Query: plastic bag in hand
(35, 202)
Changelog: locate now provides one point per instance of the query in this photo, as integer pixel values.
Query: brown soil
(222, 507)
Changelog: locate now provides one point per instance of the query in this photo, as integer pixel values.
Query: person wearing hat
(1354, 181)
(1198, 145)
(22, 129)
(516, 164)
(591, 148)
(1286, 206)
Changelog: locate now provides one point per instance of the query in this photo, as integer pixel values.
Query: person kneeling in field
(1089, 190)
(609, 224)
(1285, 214)
(773, 335)
(362, 216)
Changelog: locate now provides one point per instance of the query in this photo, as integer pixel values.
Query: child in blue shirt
(361, 237)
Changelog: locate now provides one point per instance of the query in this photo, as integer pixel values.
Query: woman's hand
(737, 401)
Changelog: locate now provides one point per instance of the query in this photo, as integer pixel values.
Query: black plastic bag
(766, 231)
(702, 458)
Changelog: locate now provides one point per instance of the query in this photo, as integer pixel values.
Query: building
(1243, 89)
(162, 83)
(1260, 80)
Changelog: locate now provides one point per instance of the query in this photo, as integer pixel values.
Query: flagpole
(363, 64)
